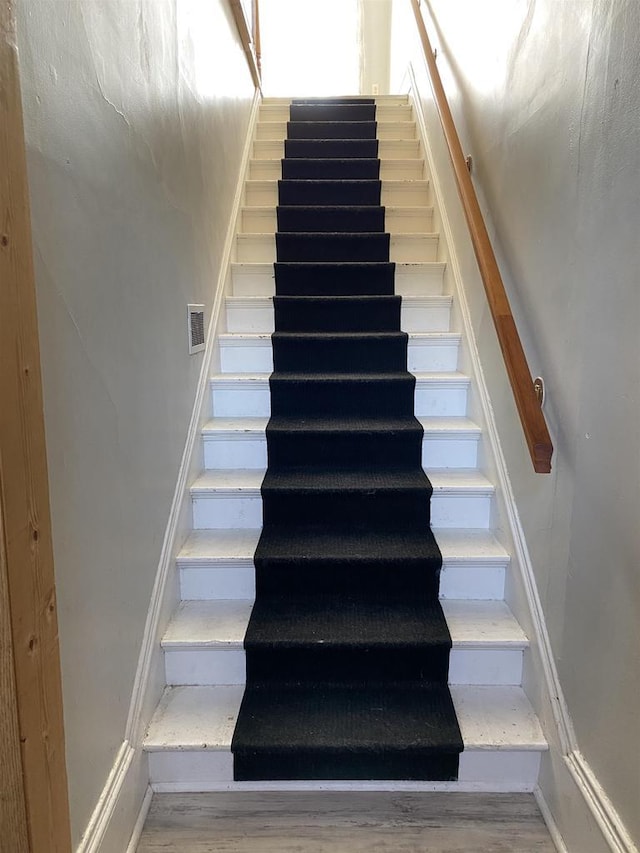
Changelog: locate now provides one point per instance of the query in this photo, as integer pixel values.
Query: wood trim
(244, 29)
(24, 489)
(533, 422)
(14, 834)
(256, 35)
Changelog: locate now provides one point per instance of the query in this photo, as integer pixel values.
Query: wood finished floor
(351, 822)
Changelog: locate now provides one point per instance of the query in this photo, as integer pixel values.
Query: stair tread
(365, 236)
(310, 480)
(223, 624)
(284, 719)
(207, 546)
(267, 337)
(204, 718)
(444, 481)
(268, 301)
(346, 620)
(449, 376)
(378, 99)
(257, 426)
(391, 183)
(399, 161)
(401, 266)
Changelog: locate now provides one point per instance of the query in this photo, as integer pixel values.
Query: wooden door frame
(35, 808)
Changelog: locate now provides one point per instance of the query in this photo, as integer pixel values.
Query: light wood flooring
(354, 822)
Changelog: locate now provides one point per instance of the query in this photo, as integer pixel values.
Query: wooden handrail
(531, 417)
(250, 36)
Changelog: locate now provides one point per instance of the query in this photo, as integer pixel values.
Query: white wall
(545, 97)
(136, 113)
(375, 45)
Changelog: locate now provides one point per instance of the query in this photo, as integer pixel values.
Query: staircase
(207, 721)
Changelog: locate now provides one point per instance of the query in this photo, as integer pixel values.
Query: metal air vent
(195, 319)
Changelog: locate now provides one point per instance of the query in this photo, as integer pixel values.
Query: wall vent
(195, 319)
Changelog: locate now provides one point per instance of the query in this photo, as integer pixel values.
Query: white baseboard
(548, 818)
(109, 829)
(139, 824)
(607, 818)
(126, 794)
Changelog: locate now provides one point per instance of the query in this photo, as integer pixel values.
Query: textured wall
(136, 113)
(546, 96)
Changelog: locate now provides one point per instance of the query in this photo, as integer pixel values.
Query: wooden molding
(24, 489)
(14, 835)
(251, 49)
(533, 422)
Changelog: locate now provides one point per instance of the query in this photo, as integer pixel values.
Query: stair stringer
(574, 805)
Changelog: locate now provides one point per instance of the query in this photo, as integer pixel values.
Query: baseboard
(109, 829)
(576, 809)
(125, 794)
(549, 820)
(139, 824)
(609, 821)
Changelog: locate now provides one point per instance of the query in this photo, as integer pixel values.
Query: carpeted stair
(347, 648)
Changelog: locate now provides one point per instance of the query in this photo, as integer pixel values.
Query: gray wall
(136, 113)
(546, 96)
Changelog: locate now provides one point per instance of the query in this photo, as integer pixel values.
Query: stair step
(255, 314)
(233, 498)
(248, 395)
(384, 112)
(398, 169)
(218, 564)
(241, 443)
(397, 220)
(387, 149)
(393, 129)
(204, 643)
(403, 248)
(253, 352)
(411, 279)
(189, 741)
(394, 193)
(380, 100)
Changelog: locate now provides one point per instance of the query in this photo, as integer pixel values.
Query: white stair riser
(457, 581)
(239, 451)
(400, 194)
(217, 511)
(212, 770)
(388, 149)
(448, 452)
(440, 401)
(235, 399)
(256, 355)
(227, 452)
(410, 280)
(384, 112)
(221, 511)
(421, 318)
(261, 248)
(203, 667)
(260, 220)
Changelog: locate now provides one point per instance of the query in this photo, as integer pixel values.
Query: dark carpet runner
(347, 647)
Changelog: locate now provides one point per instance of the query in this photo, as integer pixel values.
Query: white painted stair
(189, 739)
